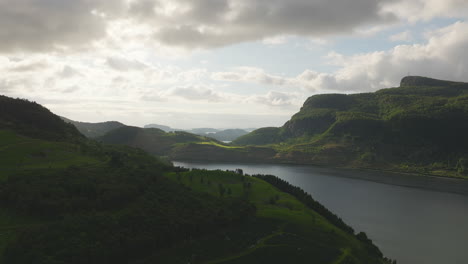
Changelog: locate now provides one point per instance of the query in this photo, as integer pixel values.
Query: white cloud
(216, 23)
(443, 56)
(250, 75)
(31, 25)
(28, 66)
(69, 72)
(51, 25)
(71, 89)
(275, 99)
(417, 10)
(405, 36)
(196, 93)
(277, 40)
(122, 64)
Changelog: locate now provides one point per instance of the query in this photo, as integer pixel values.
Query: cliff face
(424, 81)
(421, 124)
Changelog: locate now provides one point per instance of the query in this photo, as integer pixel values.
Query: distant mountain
(421, 127)
(228, 134)
(162, 127)
(152, 140)
(262, 136)
(202, 131)
(94, 130)
(218, 134)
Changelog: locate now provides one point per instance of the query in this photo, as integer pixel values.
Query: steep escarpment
(420, 126)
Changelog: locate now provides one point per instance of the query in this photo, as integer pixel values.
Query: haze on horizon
(220, 63)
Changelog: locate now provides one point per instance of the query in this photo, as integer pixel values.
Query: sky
(220, 63)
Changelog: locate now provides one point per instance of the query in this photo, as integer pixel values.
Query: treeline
(307, 199)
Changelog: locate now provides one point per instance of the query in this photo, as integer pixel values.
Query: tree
(221, 189)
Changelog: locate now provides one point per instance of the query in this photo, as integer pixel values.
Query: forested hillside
(68, 199)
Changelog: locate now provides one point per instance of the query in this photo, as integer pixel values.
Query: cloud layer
(46, 25)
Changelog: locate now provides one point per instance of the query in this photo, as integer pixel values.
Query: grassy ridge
(19, 152)
(291, 231)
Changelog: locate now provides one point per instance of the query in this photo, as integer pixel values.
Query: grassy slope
(20, 152)
(286, 230)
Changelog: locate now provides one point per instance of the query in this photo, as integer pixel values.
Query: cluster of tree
(118, 212)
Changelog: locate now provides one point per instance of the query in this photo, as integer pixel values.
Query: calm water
(426, 223)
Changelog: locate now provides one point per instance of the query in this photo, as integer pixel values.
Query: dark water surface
(414, 219)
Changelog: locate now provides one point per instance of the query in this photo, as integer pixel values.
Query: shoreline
(429, 182)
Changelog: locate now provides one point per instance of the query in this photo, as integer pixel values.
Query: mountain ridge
(420, 127)
(93, 130)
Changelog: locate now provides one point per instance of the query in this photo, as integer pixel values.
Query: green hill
(262, 136)
(152, 140)
(94, 130)
(419, 127)
(227, 134)
(31, 119)
(68, 199)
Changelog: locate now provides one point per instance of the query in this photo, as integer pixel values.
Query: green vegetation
(420, 127)
(94, 130)
(18, 153)
(227, 134)
(152, 140)
(285, 229)
(213, 143)
(262, 136)
(68, 199)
